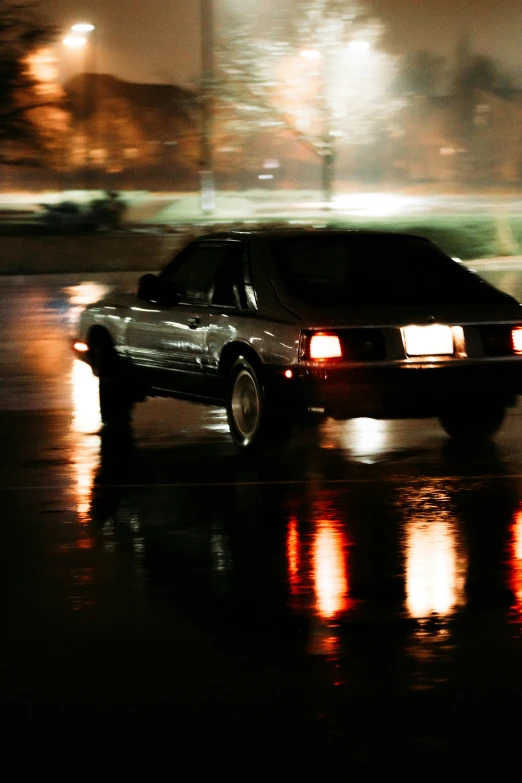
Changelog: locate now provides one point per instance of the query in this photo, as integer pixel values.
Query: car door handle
(194, 322)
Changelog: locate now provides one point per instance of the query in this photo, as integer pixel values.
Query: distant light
(265, 176)
(310, 54)
(81, 347)
(271, 164)
(289, 374)
(376, 204)
(82, 27)
(359, 46)
(75, 41)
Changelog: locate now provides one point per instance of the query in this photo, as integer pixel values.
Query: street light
(82, 27)
(310, 54)
(75, 41)
(78, 39)
(359, 45)
(320, 62)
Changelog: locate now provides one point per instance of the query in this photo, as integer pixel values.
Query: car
(295, 324)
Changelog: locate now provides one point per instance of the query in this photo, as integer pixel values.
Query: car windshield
(377, 271)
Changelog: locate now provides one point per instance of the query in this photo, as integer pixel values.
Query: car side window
(195, 273)
(228, 290)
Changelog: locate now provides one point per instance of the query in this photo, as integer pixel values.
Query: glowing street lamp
(82, 27)
(75, 41)
(319, 60)
(78, 39)
(359, 46)
(310, 54)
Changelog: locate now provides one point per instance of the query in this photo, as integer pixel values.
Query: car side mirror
(148, 288)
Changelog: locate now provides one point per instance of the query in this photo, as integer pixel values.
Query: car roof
(293, 232)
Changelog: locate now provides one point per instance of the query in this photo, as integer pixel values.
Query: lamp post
(78, 39)
(327, 153)
(326, 68)
(207, 67)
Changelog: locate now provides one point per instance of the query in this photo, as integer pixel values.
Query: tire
(116, 396)
(473, 422)
(255, 421)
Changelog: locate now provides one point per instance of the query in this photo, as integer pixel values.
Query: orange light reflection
(293, 555)
(329, 565)
(85, 425)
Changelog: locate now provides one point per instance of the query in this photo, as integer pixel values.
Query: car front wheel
(115, 391)
(473, 422)
(255, 420)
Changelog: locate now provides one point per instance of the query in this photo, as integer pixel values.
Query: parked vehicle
(101, 214)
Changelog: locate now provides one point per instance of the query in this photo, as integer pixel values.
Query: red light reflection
(293, 555)
(516, 573)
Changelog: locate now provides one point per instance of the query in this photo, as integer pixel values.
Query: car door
(170, 339)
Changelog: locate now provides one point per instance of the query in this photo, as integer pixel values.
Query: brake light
(516, 339)
(325, 346)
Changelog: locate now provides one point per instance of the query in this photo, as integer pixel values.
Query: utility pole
(207, 66)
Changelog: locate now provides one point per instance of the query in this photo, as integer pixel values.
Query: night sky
(158, 40)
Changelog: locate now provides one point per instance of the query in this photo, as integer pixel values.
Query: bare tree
(22, 33)
(422, 73)
(318, 73)
(477, 87)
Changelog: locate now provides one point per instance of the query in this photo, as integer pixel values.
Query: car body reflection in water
(230, 541)
(430, 559)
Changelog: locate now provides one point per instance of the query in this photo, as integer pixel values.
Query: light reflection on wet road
(360, 596)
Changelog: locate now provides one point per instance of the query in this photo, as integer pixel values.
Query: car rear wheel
(255, 420)
(473, 422)
(115, 390)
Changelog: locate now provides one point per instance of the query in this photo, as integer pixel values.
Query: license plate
(432, 340)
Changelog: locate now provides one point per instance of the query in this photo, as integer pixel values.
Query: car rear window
(375, 272)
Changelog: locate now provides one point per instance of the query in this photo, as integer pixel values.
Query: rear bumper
(404, 391)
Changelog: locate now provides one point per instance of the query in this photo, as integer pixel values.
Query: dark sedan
(282, 325)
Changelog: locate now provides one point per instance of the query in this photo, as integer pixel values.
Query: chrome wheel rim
(245, 404)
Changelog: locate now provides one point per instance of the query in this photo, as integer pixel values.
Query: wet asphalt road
(355, 605)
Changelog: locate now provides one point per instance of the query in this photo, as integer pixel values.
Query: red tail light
(325, 346)
(516, 339)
